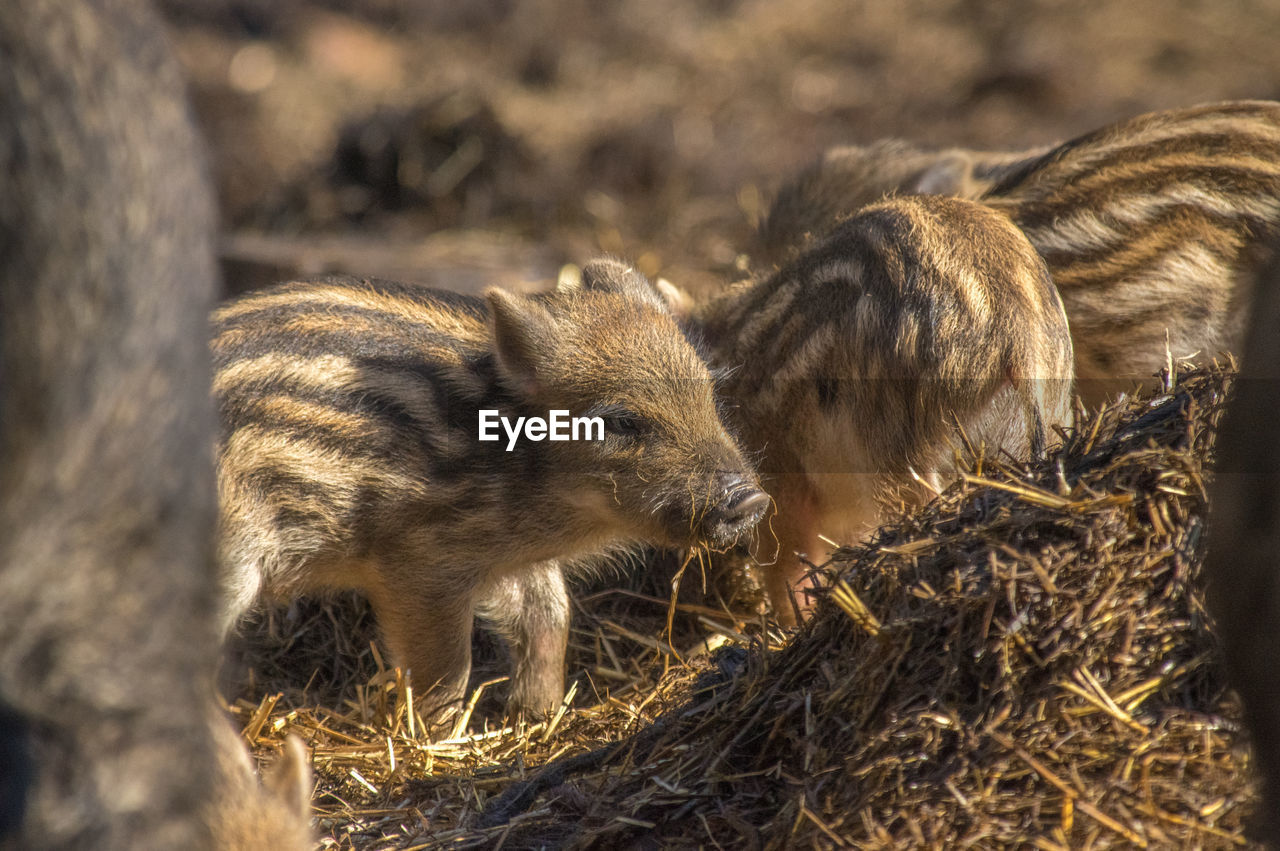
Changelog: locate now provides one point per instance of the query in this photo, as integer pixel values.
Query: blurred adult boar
(108, 730)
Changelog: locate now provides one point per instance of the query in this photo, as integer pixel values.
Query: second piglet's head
(660, 466)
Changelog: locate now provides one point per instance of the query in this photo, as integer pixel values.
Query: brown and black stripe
(907, 313)
(1150, 227)
(851, 366)
(344, 402)
(350, 457)
(1153, 227)
(847, 177)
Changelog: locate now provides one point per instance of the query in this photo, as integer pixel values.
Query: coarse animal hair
(1151, 228)
(350, 458)
(856, 362)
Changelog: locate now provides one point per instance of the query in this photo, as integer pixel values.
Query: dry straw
(1024, 662)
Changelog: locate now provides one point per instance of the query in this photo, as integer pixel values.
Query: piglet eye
(622, 425)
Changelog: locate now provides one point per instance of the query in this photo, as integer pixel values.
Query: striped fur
(349, 457)
(852, 364)
(1149, 227)
(847, 177)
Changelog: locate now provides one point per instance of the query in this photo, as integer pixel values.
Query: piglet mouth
(741, 506)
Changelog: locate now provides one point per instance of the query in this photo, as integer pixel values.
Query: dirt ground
(468, 143)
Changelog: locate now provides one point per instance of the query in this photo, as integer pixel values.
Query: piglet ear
(289, 779)
(607, 275)
(570, 279)
(524, 338)
(947, 176)
(678, 301)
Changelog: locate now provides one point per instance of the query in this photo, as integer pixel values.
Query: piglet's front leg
(812, 509)
(795, 532)
(530, 610)
(429, 634)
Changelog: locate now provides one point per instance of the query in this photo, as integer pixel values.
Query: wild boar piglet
(448, 454)
(857, 369)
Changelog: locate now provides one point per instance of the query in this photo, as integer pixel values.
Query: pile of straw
(1027, 660)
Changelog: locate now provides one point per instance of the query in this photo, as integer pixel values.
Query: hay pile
(1025, 661)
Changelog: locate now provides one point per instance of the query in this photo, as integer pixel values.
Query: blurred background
(462, 143)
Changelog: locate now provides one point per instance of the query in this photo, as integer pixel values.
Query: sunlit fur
(349, 457)
(1151, 227)
(854, 363)
(246, 813)
(847, 177)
